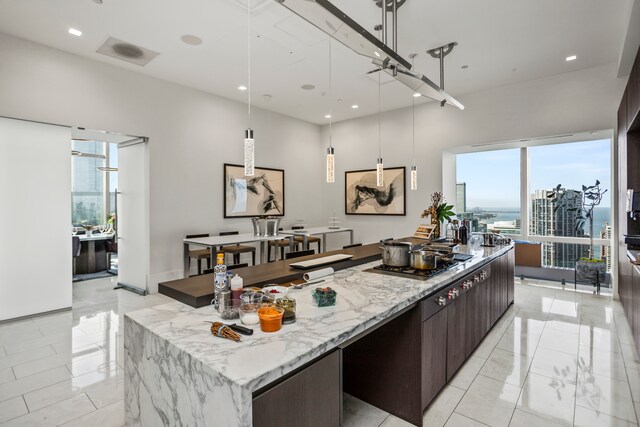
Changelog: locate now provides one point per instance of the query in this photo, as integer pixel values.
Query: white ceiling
(501, 41)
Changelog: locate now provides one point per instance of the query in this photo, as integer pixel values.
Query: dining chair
(297, 254)
(237, 250)
(310, 239)
(282, 244)
(199, 254)
(111, 247)
(75, 253)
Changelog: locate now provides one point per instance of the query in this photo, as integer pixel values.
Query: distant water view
(601, 215)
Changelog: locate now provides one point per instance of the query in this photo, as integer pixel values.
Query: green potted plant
(590, 269)
(439, 211)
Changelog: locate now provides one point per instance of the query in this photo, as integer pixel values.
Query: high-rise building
(461, 197)
(87, 183)
(605, 250)
(557, 216)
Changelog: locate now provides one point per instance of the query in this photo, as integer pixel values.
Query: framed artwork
(249, 196)
(363, 197)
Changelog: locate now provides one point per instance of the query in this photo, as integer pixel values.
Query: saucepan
(424, 259)
(395, 254)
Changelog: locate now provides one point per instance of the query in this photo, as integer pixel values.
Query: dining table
(306, 232)
(214, 242)
(93, 255)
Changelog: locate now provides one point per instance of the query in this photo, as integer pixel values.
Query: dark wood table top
(197, 291)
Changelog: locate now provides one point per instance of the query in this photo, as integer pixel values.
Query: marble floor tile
(559, 341)
(602, 362)
(393, 421)
(6, 375)
(55, 415)
(36, 343)
(633, 376)
(33, 382)
(522, 344)
(507, 367)
(104, 385)
(548, 398)
(589, 418)
(603, 339)
(12, 336)
(12, 408)
(467, 373)
(524, 323)
(606, 395)
(630, 356)
(561, 366)
(109, 416)
(489, 401)
(487, 345)
(567, 308)
(525, 419)
(357, 413)
(457, 420)
(26, 356)
(558, 323)
(442, 407)
(101, 361)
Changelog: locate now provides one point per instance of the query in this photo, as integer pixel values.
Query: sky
(493, 177)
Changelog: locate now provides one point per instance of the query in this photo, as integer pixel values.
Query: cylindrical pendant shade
(249, 153)
(414, 178)
(380, 173)
(331, 171)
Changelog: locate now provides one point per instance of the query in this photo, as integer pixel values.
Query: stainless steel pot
(395, 254)
(424, 259)
(265, 226)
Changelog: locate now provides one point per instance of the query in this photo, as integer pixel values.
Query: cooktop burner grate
(413, 273)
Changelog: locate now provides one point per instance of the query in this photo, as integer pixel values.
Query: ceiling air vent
(127, 52)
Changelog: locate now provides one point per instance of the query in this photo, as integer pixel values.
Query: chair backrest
(196, 236)
(229, 268)
(228, 233)
(355, 245)
(111, 246)
(297, 227)
(75, 246)
(297, 254)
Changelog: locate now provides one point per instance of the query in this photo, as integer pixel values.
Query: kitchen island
(177, 373)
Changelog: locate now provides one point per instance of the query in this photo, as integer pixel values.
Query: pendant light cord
(413, 119)
(249, 58)
(330, 97)
(379, 114)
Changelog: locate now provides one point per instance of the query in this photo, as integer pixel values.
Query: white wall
(567, 103)
(191, 135)
(35, 216)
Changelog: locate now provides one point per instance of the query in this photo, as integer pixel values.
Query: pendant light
(331, 160)
(379, 166)
(414, 169)
(249, 143)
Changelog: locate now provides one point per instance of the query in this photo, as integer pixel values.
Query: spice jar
(270, 318)
(289, 306)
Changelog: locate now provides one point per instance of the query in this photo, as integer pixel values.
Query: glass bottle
(456, 231)
(219, 279)
(449, 233)
(464, 233)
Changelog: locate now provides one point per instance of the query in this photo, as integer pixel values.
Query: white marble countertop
(316, 230)
(364, 300)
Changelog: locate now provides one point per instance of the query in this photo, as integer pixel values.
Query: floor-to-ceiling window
(553, 209)
(92, 188)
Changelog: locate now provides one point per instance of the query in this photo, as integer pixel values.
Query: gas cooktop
(413, 273)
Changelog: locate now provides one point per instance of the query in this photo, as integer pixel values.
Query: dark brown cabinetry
(456, 335)
(402, 366)
(434, 356)
(312, 397)
(629, 178)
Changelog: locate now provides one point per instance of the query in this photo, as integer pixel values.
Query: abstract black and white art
(249, 196)
(363, 197)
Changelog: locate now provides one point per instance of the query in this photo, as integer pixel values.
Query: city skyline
(590, 160)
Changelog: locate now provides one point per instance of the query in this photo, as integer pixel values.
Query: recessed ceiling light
(571, 58)
(191, 40)
(307, 87)
(464, 67)
(328, 116)
(267, 96)
(75, 32)
(354, 106)
(242, 87)
(416, 95)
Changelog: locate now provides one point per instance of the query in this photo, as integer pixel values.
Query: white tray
(312, 263)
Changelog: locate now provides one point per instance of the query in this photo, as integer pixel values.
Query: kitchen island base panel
(165, 386)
